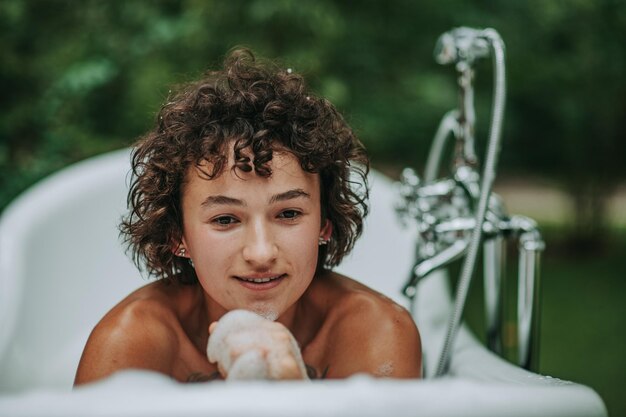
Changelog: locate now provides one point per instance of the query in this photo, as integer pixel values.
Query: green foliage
(80, 78)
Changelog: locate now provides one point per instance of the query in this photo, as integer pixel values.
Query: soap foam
(385, 369)
(266, 312)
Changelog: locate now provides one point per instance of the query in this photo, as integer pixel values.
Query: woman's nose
(259, 248)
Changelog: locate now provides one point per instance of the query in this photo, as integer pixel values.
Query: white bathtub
(62, 267)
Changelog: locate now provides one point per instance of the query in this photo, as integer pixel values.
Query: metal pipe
(528, 304)
(465, 155)
(494, 255)
(448, 124)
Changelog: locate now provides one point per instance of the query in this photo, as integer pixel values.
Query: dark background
(78, 78)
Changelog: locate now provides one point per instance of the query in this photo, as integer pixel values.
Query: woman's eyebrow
(289, 195)
(222, 200)
(217, 200)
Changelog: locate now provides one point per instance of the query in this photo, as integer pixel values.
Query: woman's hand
(247, 346)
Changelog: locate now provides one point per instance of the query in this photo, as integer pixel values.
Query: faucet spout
(425, 266)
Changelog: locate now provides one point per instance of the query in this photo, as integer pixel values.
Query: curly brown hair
(252, 106)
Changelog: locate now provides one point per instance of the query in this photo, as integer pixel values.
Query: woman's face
(254, 240)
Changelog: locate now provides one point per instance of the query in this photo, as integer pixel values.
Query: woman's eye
(289, 214)
(224, 220)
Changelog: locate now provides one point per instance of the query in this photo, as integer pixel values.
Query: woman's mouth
(261, 282)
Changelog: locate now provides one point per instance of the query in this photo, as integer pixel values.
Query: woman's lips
(261, 282)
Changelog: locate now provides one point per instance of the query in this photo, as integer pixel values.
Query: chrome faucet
(453, 215)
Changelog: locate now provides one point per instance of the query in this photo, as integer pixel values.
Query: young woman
(244, 196)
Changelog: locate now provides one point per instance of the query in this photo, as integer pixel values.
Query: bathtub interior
(62, 267)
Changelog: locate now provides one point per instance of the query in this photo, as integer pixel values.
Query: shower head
(461, 44)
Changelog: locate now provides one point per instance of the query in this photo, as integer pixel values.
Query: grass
(583, 315)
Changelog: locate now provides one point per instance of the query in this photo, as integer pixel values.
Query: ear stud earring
(321, 241)
(182, 252)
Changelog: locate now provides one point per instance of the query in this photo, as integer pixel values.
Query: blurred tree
(568, 100)
(80, 78)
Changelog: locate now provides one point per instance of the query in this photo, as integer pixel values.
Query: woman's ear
(326, 231)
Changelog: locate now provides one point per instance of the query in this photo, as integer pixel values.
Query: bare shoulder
(371, 333)
(137, 333)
